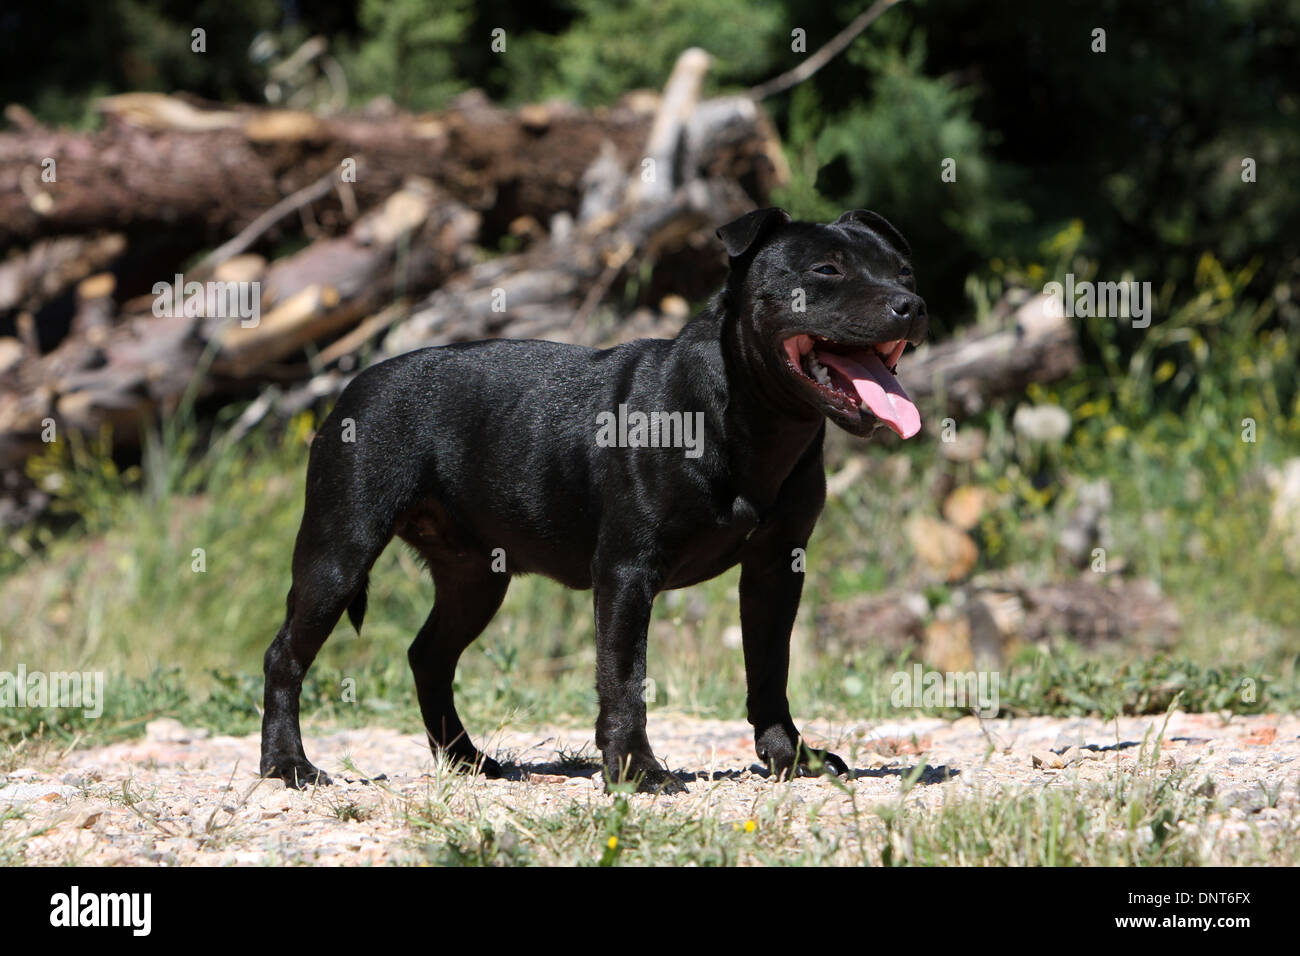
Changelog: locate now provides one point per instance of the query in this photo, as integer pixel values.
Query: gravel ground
(182, 796)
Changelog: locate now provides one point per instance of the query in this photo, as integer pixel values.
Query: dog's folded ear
(877, 224)
(744, 234)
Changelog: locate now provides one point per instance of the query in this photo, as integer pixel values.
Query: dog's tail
(357, 609)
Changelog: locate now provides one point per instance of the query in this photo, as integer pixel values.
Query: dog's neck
(766, 433)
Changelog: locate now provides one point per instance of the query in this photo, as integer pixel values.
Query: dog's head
(826, 311)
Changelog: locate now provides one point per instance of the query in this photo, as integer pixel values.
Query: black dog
(654, 465)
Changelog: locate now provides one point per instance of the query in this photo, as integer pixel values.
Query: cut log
(962, 375)
(144, 365)
(51, 266)
(681, 96)
(538, 293)
(412, 242)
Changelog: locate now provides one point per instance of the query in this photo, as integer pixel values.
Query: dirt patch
(182, 796)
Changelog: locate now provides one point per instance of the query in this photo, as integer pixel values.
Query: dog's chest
(708, 548)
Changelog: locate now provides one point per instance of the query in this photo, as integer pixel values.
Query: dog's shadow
(928, 775)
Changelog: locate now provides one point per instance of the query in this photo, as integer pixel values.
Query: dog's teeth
(819, 372)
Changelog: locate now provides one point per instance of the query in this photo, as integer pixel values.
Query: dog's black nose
(907, 306)
(910, 309)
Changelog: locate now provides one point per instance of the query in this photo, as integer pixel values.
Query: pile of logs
(371, 234)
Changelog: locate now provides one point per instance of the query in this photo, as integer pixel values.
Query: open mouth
(856, 378)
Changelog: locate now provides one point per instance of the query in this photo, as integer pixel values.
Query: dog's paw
(482, 764)
(474, 762)
(660, 781)
(787, 756)
(648, 777)
(296, 772)
(818, 762)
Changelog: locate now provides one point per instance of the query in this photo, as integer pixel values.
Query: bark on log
(962, 375)
(159, 163)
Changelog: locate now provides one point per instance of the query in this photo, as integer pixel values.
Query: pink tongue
(877, 388)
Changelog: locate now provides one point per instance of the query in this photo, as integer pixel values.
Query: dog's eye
(826, 269)
(905, 273)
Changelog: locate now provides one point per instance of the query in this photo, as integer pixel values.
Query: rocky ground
(183, 796)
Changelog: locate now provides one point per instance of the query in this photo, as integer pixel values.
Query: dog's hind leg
(466, 599)
(329, 576)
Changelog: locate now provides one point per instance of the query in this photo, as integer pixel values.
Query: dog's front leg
(771, 583)
(623, 597)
